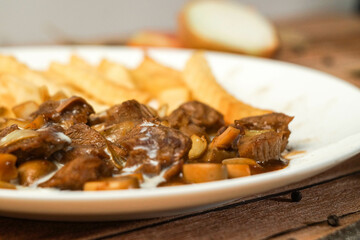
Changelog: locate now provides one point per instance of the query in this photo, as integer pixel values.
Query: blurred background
(112, 21)
(321, 34)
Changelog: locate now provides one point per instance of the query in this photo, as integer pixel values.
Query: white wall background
(50, 21)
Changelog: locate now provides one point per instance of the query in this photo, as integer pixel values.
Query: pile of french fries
(110, 83)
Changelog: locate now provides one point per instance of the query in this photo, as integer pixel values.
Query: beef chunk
(74, 174)
(87, 141)
(196, 118)
(151, 148)
(129, 111)
(117, 131)
(42, 145)
(82, 134)
(66, 112)
(261, 147)
(7, 130)
(120, 119)
(261, 138)
(274, 121)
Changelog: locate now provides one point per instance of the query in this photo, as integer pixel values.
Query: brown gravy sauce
(268, 166)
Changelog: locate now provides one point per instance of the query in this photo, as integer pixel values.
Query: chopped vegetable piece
(8, 169)
(247, 161)
(199, 145)
(124, 182)
(225, 139)
(7, 185)
(24, 110)
(238, 170)
(31, 171)
(203, 172)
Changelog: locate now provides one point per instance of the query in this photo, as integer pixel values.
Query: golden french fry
(7, 122)
(9, 64)
(204, 87)
(98, 87)
(79, 62)
(153, 77)
(113, 72)
(116, 73)
(14, 90)
(174, 97)
(25, 109)
(237, 110)
(67, 89)
(58, 96)
(6, 113)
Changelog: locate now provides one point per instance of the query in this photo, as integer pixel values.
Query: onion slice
(17, 135)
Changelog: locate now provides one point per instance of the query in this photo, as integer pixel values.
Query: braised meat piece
(83, 135)
(129, 111)
(152, 148)
(87, 141)
(196, 118)
(120, 119)
(7, 130)
(66, 112)
(74, 174)
(29, 144)
(265, 137)
(261, 138)
(274, 121)
(261, 147)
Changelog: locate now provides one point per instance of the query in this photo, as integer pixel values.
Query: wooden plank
(263, 219)
(322, 229)
(330, 44)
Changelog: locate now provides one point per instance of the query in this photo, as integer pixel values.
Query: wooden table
(330, 44)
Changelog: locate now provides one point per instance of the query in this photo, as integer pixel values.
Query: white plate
(326, 126)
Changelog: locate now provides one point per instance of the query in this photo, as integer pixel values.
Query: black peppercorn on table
(326, 206)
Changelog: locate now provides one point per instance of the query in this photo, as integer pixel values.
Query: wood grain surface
(330, 44)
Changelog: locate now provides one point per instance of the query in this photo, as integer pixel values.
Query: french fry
(79, 62)
(174, 97)
(204, 87)
(70, 90)
(24, 110)
(153, 77)
(237, 110)
(14, 90)
(113, 72)
(5, 113)
(9, 65)
(98, 87)
(116, 73)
